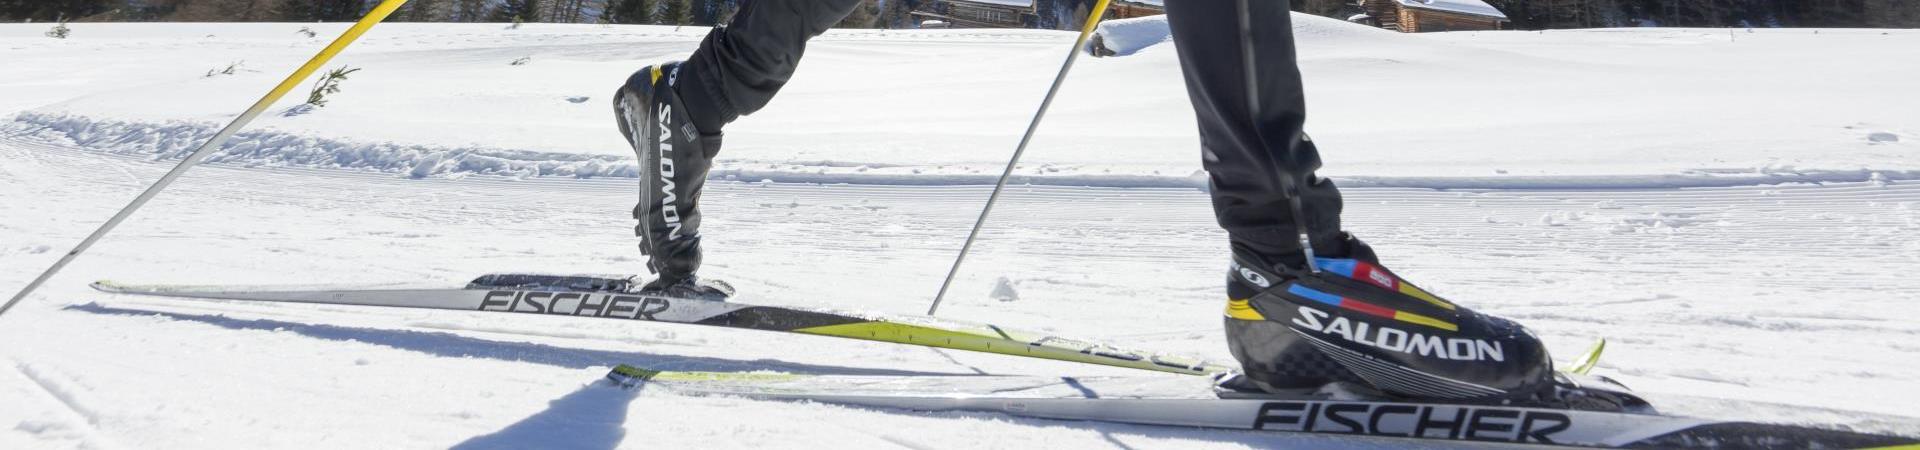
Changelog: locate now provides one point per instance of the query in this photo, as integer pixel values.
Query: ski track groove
(60, 391)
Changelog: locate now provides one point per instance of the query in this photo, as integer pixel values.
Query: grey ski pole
(373, 17)
(1093, 19)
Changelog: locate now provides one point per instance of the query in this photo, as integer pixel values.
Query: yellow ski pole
(1093, 20)
(378, 14)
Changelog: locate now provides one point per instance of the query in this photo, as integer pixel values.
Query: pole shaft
(353, 33)
(1093, 19)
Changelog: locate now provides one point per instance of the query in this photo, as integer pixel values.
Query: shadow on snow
(594, 417)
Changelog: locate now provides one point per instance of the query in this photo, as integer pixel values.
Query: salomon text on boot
(1346, 318)
(674, 157)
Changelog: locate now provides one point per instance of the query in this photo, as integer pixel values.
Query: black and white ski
(1190, 402)
(608, 297)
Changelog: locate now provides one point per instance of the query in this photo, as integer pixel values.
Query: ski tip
(107, 286)
(1591, 358)
(627, 376)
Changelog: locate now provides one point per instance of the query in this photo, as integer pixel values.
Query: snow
(1474, 7)
(1127, 36)
(1666, 106)
(1740, 226)
(1003, 290)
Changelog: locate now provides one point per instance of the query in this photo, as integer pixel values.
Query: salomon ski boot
(674, 157)
(1345, 318)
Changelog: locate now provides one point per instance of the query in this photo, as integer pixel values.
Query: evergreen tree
(631, 11)
(727, 8)
(52, 10)
(863, 16)
(320, 10)
(223, 10)
(468, 11)
(516, 10)
(1329, 8)
(420, 11)
(675, 12)
(895, 14)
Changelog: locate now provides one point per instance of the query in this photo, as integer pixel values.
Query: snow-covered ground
(1665, 107)
(1617, 183)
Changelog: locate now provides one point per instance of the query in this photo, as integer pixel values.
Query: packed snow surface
(1736, 212)
(1127, 36)
(1589, 108)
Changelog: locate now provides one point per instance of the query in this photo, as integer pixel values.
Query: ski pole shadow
(593, 417)
(456, 346)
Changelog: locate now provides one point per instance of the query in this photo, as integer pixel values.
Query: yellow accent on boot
(656, 75)
(1240, 309)
(1404, 316)
(1408, 289)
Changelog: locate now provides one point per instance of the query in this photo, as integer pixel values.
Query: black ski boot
(674, 159)
(691, 287)
(1293, 327)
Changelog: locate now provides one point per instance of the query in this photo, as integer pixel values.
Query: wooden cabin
(1023, 13)
(1128, 9)
(1419, 16)
(980, 13)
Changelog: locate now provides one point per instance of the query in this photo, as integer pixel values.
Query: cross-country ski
(610, 297)
(1185, 403)
(959, 224)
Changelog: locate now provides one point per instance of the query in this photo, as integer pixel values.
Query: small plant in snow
(516, 23)
(60, 31)
(522, 61)
(308, 32)
(230, 70)
(329, 84)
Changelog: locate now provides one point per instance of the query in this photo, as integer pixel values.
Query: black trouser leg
(739, 67)
(1247, 153)
(736, 70)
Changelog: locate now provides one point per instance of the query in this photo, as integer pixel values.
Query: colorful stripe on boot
(1368, 308)
(1378, 276)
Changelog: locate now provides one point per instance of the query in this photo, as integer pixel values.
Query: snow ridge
(274, 148)
(271, 148)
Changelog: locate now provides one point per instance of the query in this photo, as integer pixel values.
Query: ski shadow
(456, 346)
(593, 417)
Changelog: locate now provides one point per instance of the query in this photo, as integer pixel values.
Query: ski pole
(1093, 19)
(374, 16)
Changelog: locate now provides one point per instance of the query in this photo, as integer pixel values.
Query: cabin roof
(1019, 3)
(1469, 7)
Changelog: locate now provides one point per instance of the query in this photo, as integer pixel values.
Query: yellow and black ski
(608, 297)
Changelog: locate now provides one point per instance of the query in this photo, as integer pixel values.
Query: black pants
(1250, 120)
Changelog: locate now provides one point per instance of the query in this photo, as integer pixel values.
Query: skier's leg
(1354, 321)
(738, 68)
(1246, 154)
(672, 114)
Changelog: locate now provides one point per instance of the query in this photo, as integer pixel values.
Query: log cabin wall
(1413, 20)
(965, 14)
